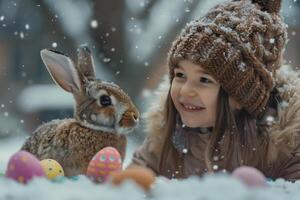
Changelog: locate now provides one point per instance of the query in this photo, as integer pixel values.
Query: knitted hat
(240, 43)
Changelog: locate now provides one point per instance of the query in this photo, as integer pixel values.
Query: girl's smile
(190, 107)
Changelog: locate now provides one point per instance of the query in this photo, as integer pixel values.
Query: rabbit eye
(105, 100)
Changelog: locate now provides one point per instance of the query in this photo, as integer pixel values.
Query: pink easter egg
(250, 176)
(23, 166)
(105, 162)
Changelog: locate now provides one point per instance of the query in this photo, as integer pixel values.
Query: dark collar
(180, 135)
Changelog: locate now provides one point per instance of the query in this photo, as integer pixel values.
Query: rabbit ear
(85, 63)
(271, 6)
(62, 70)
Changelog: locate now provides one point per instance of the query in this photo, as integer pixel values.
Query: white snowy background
(147, 29)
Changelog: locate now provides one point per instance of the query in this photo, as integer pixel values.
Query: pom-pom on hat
(240, 43)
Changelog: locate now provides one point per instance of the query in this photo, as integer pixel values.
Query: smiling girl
(229, 102)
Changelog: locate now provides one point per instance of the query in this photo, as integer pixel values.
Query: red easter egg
(250, 176)
(23, 166)
(106, 161)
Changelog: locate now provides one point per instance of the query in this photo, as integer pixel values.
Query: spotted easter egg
(250, 176)
(52, 168)
(23, 166)
(105, 162)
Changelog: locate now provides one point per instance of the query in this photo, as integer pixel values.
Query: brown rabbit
(103, 115)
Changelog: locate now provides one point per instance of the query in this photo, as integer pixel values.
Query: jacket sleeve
(146, 156)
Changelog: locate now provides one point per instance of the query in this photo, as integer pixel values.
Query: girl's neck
(201, 130)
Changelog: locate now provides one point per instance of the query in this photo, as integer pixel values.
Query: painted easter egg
(106, 161)
(23, 166)
(140, 175)
(250, 176)
(52, 168)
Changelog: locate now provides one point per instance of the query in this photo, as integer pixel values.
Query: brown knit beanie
(240, 43)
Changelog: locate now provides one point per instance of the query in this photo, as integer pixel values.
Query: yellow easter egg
(52, 168)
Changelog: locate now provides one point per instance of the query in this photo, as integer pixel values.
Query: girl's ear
(234, 104)
(62, 70)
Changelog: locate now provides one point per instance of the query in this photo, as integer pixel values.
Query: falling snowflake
(21, 35)
(242, 66)
(215, 167)
(54, 45)
(270, 120)
(187, 9)
(94, 23)
(216, 158)
(272, 40)
(146, 93)
(106, 60)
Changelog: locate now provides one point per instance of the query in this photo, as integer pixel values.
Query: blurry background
(129, 40)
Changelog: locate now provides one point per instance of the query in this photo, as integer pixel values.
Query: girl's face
(194, 93)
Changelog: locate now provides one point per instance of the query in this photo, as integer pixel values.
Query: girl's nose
(188, 90)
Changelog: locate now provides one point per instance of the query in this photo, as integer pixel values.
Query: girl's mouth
(189, 107)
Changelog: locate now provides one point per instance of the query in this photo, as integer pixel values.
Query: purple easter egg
(23, 166)
(250, 176)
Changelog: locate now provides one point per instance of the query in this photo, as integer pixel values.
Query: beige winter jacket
(282, 152)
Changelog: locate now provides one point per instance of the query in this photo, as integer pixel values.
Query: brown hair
(236, 138)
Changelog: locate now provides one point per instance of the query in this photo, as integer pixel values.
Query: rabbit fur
(103, 115)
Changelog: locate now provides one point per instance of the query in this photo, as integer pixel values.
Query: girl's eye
(205, 80)
(179, 75)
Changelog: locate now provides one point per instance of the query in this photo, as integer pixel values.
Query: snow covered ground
(209, 188)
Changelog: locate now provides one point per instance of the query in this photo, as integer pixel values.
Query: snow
(54, 44)
(94, 23)
(34, 98)
(210, 187)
